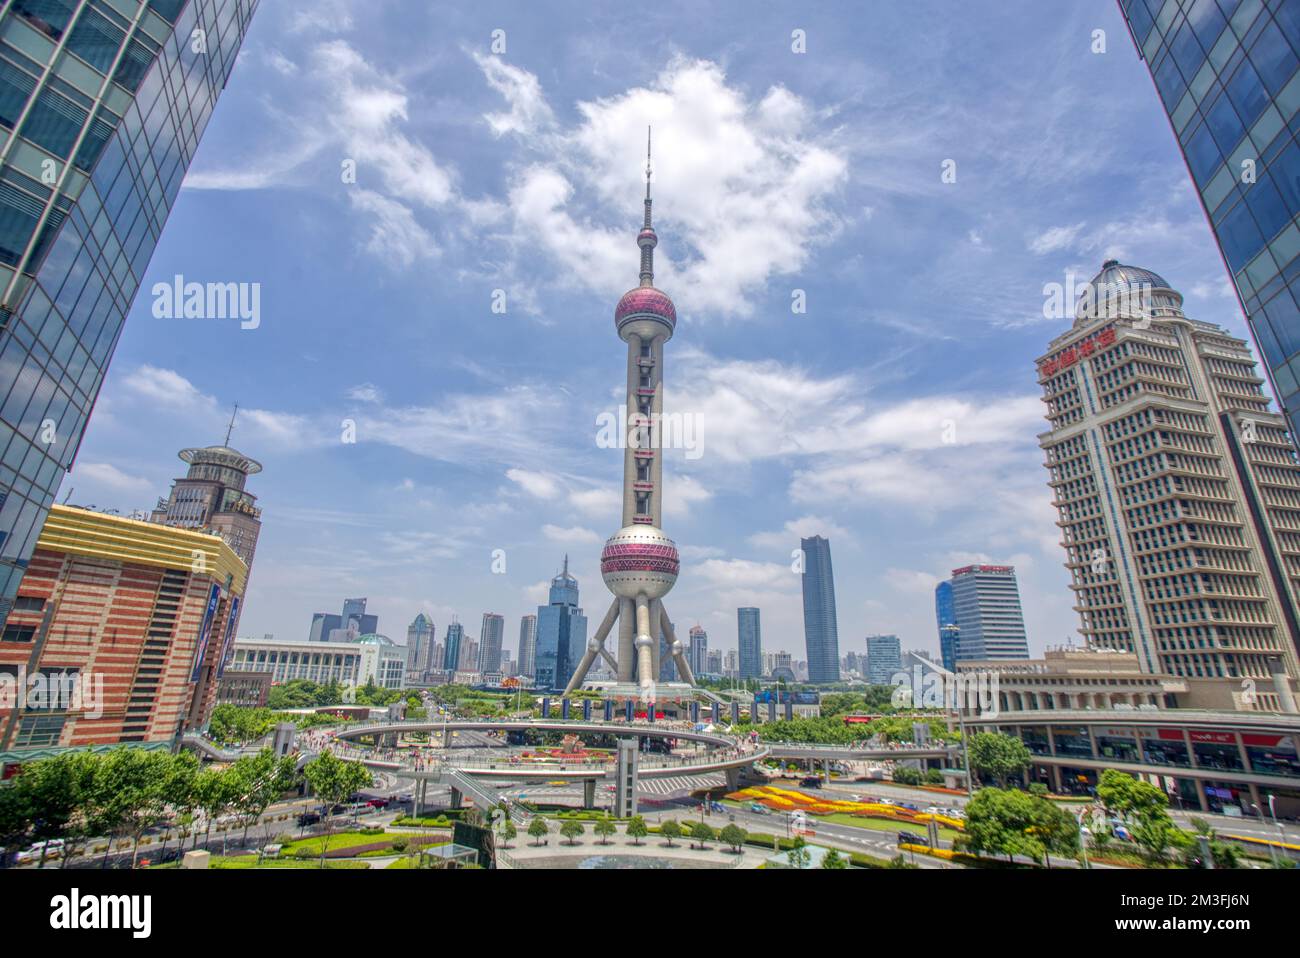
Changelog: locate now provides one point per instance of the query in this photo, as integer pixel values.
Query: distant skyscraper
(697, 650)
(561, 633)
(749, 634)
(1177, 489)
(420, 644)
(949, 641)
(326, 627)
(821, 633)
(716, 664)
(490, 639)
(527, 645)
(453, 647)
(104, 104)
(1226, 75)
(946, 619)
(986, 602)
(884, 658)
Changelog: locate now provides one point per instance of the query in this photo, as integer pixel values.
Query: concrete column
(656, 410)
(588, 793)
(1191, 757)
(626, 640)
(733, 778)
(1241, 751)
(1200, 795)
(633, 415)
(1056, 778)
(656, 626)
(1254, 796)
(1092, 741)
(456, 798)
(1142, 752)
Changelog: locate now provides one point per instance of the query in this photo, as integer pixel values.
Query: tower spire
(646, 239)
(231, 427)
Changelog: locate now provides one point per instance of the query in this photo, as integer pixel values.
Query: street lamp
(1272, 849)
(1084, 834)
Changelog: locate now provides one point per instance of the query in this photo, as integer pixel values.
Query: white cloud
(537, 484)
(1055, 238)
(108, 475)
(805, 527)
(365, 392)
(165, 386)
(395, 235)
(572, 534)
(529, 110)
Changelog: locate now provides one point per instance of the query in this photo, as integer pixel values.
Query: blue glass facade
(820, 630)
(561, 633)
(749, 642)
(946, 618)
(103, 103)
(1226, 72)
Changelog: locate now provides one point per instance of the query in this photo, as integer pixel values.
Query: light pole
(1084, 835)
(1272, 849)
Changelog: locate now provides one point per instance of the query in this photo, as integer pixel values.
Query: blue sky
(775, 171)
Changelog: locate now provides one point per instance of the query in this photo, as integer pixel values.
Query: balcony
(643, 485)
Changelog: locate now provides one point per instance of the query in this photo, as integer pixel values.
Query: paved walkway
(558, 853)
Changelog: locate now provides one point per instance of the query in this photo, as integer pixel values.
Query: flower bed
(786, 800)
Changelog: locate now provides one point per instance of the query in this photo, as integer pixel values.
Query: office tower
(731, 665)
(419, 645)
(715, 662)
(884, 658)
(452, 647)
(88, 91)
(986, 603)
(326, 627)
(749, 637)
(1177, 489)
(491, 634)
(1226, 75)
(527, 645)
(949, 642)
(139, 614)
(561, 633)
(639, 564)
(821, 634)
(697, 646)
(211, 497)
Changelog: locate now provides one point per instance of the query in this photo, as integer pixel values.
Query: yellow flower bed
(785, 799)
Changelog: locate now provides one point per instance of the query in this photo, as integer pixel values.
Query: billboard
(206, 631)
(228, 643)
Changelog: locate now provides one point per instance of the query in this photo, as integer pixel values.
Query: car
(909, 838)
(378, 803)
(810, 781)
(758, 809)
(308, 818)
(53, 849)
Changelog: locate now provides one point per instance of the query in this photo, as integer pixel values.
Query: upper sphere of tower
(647, 237)
(639, 560)
(644, 303)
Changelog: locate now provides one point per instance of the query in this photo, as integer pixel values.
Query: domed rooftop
(1120, 290)
(645, 300)
(221, 456)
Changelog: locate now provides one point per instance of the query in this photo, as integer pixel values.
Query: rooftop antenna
(231, 427)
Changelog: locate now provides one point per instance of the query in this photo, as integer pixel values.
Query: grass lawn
(337, 841)
(250, 861)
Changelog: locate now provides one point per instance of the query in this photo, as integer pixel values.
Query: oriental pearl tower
(639, 563)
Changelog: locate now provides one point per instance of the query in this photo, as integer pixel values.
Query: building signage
(228, 644)
(206, 631)
(1071, 355)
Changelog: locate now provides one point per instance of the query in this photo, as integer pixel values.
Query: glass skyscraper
(946, 618)
(1226, 72)
(884, 658)
(819, 627)
(749, 639)
(103, 102)
(990, 623)
(561, 633)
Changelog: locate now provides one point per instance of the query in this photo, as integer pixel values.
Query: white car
(53, 849)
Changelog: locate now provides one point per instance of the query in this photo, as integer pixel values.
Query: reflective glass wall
(102, 103)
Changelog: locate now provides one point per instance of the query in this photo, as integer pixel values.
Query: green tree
(59, 792)
(132, 791)
(262, 779)
(604, 828)
(734, 836)
(334, 780)
(906, 775)
(508, 833)
(701, 834)
(670, 829)
(215, 791)
(636, 829)
(15, 821)
(834, 859)
(571, 829)
(799, 856)
(538, 829)
(1002, 822)
(1128, 797)
(997, 755)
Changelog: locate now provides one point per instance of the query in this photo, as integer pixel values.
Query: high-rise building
(716, 663)
(749, 637)
(1226, 74)
(986, 603)
(136, 617)
(884, 658)
(527, 645)
(453, 647)
(949, 642)
(420, 645)
(1177, 488)
(326, 627)
(211, 497)
(561, 633)
(821, 633)
(946, 618)
(697, 650)
(491, 635)
(110, 99)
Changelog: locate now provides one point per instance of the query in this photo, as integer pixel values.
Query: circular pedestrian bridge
(720, 752)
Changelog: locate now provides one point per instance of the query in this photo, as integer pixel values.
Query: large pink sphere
(639, 560)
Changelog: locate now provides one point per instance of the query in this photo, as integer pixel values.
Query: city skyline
(392, 518)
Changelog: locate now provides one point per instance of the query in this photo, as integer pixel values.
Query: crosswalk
(678, 785)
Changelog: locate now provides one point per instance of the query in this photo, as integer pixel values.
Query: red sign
(983, 568)
(1072, 354)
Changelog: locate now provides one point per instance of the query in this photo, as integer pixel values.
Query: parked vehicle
(909, 838)
(308, 818)
(810, 781)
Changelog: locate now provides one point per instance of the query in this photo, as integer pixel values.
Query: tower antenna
(231, 427)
